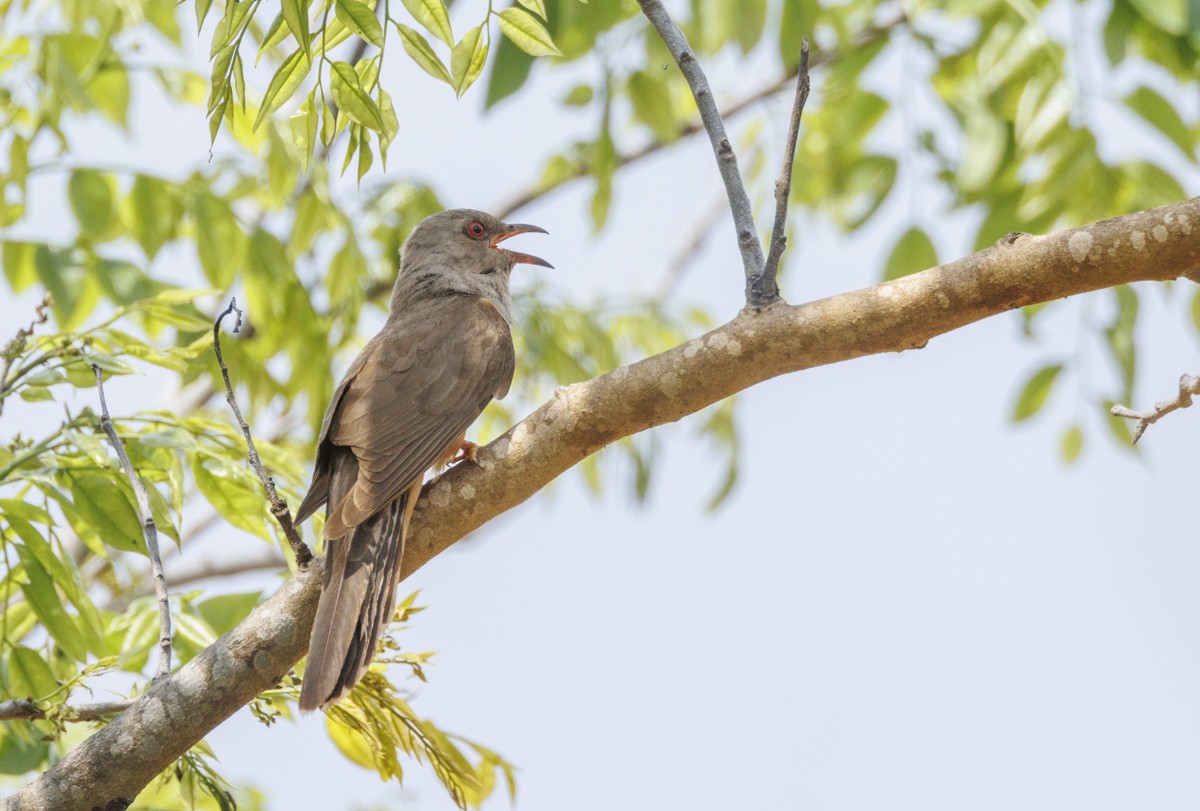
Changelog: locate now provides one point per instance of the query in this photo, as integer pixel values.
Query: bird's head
(467, 241)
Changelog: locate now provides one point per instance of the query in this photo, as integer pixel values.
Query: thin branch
(279, 507)
(1188, 387)
(23, 709)
(765, 289)
(149, 530)
(735, 189)
(17, 345)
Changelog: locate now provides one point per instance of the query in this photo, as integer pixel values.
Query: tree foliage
(1005, 111)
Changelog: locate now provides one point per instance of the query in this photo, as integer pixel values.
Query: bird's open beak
(521, 258)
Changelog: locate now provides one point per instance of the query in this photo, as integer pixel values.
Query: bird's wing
(426, 378)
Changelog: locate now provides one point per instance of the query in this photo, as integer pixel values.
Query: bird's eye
(475, 230)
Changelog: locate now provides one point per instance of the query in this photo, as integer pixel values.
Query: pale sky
(906, 603)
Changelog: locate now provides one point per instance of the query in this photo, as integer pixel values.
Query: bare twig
(765, 288)
(24, 709)
(149, 530)
(279, 507)
(17, 345)
(735, 189)
(1188, 386)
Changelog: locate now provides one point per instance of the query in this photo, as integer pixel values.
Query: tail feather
(359, 596)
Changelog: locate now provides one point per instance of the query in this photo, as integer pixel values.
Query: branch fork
(762, 288)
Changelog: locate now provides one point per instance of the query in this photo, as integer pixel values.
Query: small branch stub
(1188, 387)
(279, 507)
(764, 288)
(149, 531)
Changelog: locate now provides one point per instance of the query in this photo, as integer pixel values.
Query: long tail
(358, 599)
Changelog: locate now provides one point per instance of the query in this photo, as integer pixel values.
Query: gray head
(459, 251)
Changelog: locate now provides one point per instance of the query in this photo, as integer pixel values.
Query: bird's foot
(467, 452)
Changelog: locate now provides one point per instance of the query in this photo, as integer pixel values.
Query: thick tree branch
(1155, 245)
(1188, 387)
(149, 531)
(731, 176)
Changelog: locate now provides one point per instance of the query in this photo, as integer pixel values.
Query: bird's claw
(467, 452)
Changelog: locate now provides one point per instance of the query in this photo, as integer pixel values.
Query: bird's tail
(357, 602)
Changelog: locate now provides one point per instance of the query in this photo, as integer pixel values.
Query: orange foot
(467, 452)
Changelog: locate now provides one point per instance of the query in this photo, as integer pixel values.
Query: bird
(404, 407)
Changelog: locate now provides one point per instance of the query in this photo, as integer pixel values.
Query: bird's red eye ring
(475, 230)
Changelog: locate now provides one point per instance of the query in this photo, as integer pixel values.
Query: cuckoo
(404, 407)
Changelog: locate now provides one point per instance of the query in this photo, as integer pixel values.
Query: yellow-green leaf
(1036, 391)
(100, 501)
(91, 197)
(358, 17)
(466, 60)
(285, 81)
(433, 15)
(420, 52)
(295, 13)
(352, 99)
(914, 251)
(527, 32)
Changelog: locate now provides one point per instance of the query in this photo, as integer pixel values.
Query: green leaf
(536, 6)
(652, 106)
(467, 60)
(527, 32)
(227, 610)
(365, 158)
(420, 52)
(913, 252)
(579, 96)
(231, 497)
(28, 674)
(20, 266)
(19, 756)
(295, 13)
(799, 20)
(358, 17)
(218, 238)
(290, 75)
(202, 7)
(352, 99)
(156, 213)
(1035, 392)
(101, 502)
(92, 201)
(73, 291)
(1169, 15)
(749, 19)
(432, 14)
(510, 69)
(44, 601)
(1072, 444)
(1162, 115)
